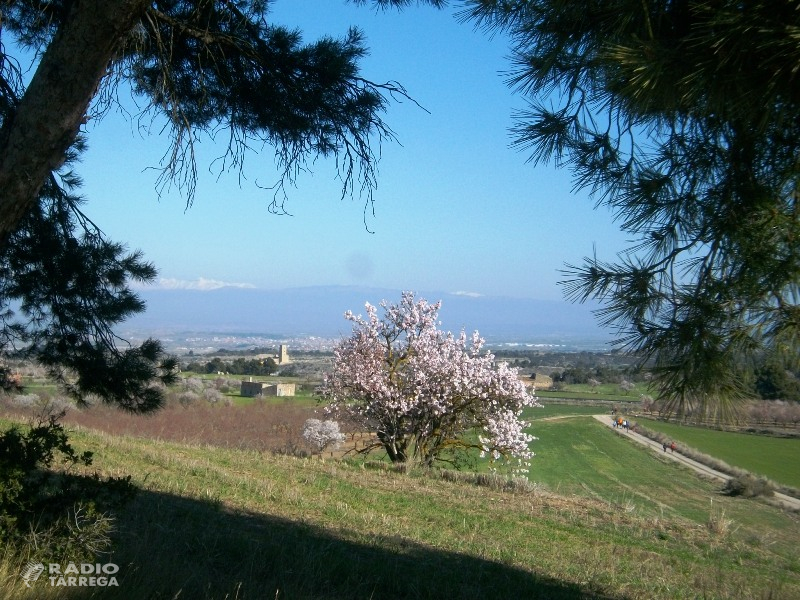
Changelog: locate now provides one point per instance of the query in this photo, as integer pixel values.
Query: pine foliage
(684, 118)
(208, 68)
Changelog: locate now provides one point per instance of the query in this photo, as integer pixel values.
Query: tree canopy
(425, 392)
(684, 118)
(205, 67)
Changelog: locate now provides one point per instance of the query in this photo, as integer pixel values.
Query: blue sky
(457, 210)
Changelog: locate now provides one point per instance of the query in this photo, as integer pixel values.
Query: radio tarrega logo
(31, 572)
(72, 575)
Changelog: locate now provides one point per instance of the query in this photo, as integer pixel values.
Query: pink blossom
(421, 390)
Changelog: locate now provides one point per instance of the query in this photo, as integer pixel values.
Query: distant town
(199, 343)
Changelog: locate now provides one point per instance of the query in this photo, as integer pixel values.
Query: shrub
(194, 384)
(25, 400)
(47, 512)
(748, 486)
(212, 395)
(718, 524)
(188, 398)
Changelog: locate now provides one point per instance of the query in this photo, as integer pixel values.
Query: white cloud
(201, 283)
(468, 294)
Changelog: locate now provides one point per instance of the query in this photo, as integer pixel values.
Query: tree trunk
(396, 451)
(34, 141)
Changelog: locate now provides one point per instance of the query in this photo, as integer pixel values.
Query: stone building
(281, 358)
(253, 389)
(283, 355)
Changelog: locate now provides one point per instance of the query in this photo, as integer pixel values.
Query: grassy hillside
(221, 523)
(580, 456)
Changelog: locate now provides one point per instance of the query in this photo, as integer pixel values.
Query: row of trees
(756, 414)
(237, 366)
(773, 381)
(778, 412)
(604, 374)
(768, 381)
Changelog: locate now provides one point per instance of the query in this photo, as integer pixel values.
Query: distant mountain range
(318, 311)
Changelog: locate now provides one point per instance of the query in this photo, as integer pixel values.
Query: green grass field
(582, 457)
(618, 522)
(585, 393)
(301, 399)
(548, 411)
(775, 458)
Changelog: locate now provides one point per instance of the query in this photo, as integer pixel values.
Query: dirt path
(783, 499)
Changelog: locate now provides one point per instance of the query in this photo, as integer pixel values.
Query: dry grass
(258, 426)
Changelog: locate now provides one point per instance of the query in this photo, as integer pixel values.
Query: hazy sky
(456, 210)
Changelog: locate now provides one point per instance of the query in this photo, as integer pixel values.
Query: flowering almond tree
(423, 391)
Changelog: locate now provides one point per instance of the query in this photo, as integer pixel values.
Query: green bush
(49, 511)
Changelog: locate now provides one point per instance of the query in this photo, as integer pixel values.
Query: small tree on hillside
(424, 391)
(647, 402)
(321, 435)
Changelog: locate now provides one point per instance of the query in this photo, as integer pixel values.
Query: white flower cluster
(322, 435)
